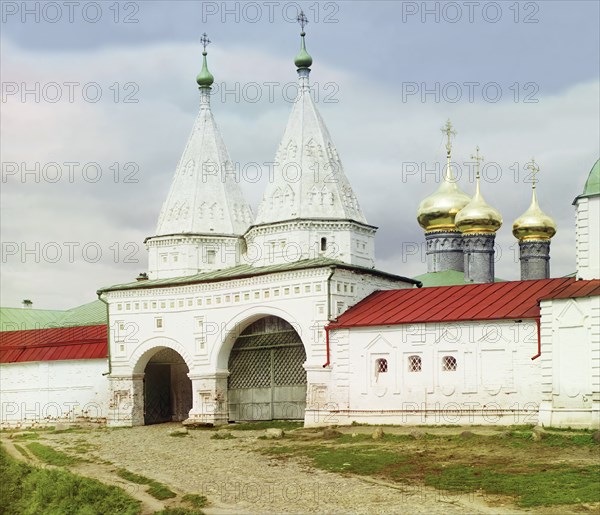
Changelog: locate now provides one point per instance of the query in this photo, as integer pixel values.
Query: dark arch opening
(267, 380)
(167, 388)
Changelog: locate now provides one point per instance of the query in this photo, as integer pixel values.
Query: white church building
(283, 315)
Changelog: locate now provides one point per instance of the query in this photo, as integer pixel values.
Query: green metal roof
(19, 319)
(592, 185)
(446, 278)
(243, 271)
(15, 319)
(92, 313)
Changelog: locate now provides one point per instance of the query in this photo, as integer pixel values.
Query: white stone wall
(288, 242)
(202, 321)
(495, 381)
(176, 256)
(587, 238)
(48, 392)
(570, 362)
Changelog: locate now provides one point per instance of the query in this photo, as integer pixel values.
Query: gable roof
(576, 290)
(19, 319)
(244, 271)
(61, 343)
(492, 301)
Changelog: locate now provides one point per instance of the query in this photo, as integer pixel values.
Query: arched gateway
(267, 379)
(167, 388)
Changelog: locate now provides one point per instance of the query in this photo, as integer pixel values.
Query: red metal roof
(493, 301)
(575, 290)
(61, 343)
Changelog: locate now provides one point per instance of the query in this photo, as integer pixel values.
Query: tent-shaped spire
(205, 197)
(308, 177)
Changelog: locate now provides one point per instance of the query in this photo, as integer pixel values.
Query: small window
(323, 244)
(449, 364)
(211, 256)
(381, 366)
(158, 323)
(414, 363)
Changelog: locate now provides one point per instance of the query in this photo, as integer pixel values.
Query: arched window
(381, 366)
(323, 244)
(414, 363)
(449, 364)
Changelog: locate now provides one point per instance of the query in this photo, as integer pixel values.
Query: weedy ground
(556, 468)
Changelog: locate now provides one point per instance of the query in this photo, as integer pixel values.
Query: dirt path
(236, 479)
(92, 470)
(239, 480)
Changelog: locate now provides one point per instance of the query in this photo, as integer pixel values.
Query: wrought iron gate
(266, 378)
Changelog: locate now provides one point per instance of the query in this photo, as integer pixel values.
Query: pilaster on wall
(126, 401)
(209, 397)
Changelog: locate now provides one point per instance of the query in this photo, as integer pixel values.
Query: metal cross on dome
(449, 131)
(302, 20)
(533, 166)
(477, 159)
(204, 40)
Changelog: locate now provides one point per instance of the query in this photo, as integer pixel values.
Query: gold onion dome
(534, 224)
(478, 216)
(438, 211)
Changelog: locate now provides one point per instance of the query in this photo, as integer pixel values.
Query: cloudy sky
(98, 100)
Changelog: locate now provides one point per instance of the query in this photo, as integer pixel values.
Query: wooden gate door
(267, 380)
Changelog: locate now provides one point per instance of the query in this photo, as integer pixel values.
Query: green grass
(197, 501)
(29, 490)
(541, 486)
(286, 425)
(160, 491)
(21, 450)
(178, 433)
(453, 463)
(366, 460)
(221, 435)
(26, 436)
(50, 455)
(133, 478)
(179, 511)
(156, 489)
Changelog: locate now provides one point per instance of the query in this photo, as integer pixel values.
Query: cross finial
(449, 131)
(478, 159)
(533, 166)
(205, 41)
(302, 20)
